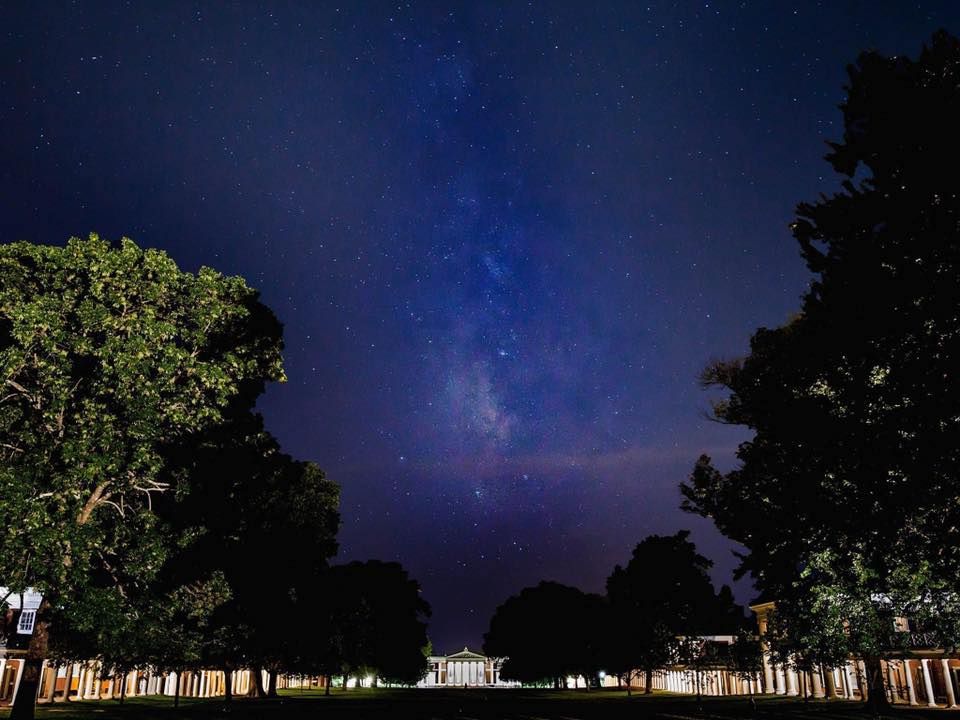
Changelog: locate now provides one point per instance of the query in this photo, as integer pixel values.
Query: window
(901, 624)
(25, 626)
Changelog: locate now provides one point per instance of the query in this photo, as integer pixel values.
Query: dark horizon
(503, 240)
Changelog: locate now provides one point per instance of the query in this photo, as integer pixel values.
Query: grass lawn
(359, 704)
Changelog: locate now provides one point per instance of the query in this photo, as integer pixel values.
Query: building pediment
(466, 654)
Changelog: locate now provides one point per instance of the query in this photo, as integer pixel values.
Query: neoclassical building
(464, 669)
(924, 674)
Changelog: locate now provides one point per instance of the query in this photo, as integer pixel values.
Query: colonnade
(928, 682)
(466, 672)
(88, 681)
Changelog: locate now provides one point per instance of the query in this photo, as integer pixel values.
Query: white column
(816, 682)
(948, 681)
(927, 683)
(909, 675)
(849, 678)
(891, 681)
(16, 680)
(791, 680)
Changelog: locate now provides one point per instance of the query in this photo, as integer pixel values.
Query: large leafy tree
(374, 620)
(108, 357)
(847, 497)
(662, 594)
(268, 524)
(548, 632)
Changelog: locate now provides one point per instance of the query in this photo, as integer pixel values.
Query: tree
(547, 633)
(847, 496)
(744, 659)
(375, 620)
(664, 592)
(108, 355)
(268, 524)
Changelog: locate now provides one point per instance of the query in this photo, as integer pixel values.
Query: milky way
(503, 239)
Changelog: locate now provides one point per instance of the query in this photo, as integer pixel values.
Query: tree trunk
(176, 689)
(256, 687)
(326, 684)
(648, 681)
(831, 685)
(272, 687)
(123, 688)
(876, 693)
(25, 703)
(227, 685)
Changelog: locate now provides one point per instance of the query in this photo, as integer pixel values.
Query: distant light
(602, 674)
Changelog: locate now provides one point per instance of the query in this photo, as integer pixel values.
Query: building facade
(923, 674)
(18, 612)
(464, 669)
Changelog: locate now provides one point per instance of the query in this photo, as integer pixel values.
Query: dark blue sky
(503, 238)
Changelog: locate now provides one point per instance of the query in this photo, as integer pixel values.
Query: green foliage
(110, 358)
(107, 355)
(847, 497)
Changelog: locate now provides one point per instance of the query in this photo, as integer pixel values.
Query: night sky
(503, 239)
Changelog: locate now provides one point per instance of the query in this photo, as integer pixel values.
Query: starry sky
(503, 238)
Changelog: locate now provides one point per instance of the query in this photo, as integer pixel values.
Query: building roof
(466, 654)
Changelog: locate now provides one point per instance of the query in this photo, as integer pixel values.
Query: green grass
(476, 704)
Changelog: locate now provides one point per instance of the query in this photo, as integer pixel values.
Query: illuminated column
(831, 681)
(791, 681)
(891, 681)
(88, 682)
(849, 678)
(948, 681)
(816, 682)
(911, 692)
(767, 673)
(927, 682)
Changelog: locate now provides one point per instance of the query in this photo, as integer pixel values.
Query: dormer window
(25, 625)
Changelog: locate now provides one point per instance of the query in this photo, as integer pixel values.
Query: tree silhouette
(663, 593)
(547, 633)
(847, 497)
